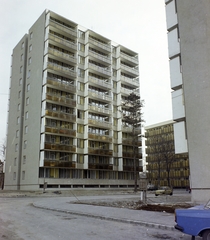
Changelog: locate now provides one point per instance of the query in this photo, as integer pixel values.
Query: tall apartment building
(188, 25)
(161, 158)
(64, 124)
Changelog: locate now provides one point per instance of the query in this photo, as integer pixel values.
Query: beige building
(64, 124)
(188, 25)
(164, 167)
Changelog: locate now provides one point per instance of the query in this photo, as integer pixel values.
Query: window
(81, 86)
(25, 144)
(80, 143)
(28, 87)
(16, 147)
(80, 100)
(20, 81)
(80, 114)
(26, 129)
(18, 120)
(81, 60)
(29, 61)
(24, 159)
(27, 101)
(26, 115)
(81, 34)
(81, 47)
(30, 48)
(14, 175)
(23, 175)
(81, 73)
(22, 45)
(80, 128)
(21, 57)
(18, 107)
(80, 158)
(21, 69)
(29, 73)
(31, 35)
(17, 133)
(19, 94)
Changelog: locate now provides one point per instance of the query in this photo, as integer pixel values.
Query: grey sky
(137, 24)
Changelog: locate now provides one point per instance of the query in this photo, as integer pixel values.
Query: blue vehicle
(194, 221)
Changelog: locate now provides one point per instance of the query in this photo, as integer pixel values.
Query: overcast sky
(137, 24)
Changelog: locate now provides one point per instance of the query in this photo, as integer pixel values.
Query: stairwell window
(25, 144)
(23, 175)
(30, 48)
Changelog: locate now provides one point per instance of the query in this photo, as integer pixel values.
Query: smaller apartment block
(65, 126)
(161, 158)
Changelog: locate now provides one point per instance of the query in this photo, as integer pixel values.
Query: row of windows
(15, 175)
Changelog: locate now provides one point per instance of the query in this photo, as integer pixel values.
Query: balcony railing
(61, 99)
(130, 129)
(61, 115)
(100, 44)
(59, 147)
(59, 130)
(63, 28)
(105, 71)
(99, 151)
(54, 163)
(100, 82)
(100, 57)
(66, 70)
(62, 41)
(62, 55)
(129, 69)
(100, 109)
(100, 166)
(130, 142)
(61, 84)
(132, 59)
(131, 155)
(100, 96)
(100, 123)
(99, 137)
(133, 81)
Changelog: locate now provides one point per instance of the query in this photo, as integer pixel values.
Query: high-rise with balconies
(188, 25)
(64, 124)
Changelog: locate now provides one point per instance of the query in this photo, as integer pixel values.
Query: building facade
(188, 25)
(64, 125)
(164, 167)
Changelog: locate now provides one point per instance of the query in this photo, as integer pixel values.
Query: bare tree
(132, 117)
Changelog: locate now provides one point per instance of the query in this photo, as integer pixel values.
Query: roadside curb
(142, 223)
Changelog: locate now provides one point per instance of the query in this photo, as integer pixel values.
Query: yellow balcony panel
(66, 29)
(63, 85)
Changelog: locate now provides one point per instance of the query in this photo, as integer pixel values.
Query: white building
(188, 25)
(64, 124)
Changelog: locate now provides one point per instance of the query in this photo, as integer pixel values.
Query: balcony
(100, 123)
(66, 29)
(130, 81)
(129, 142)
(59, 68)
(99, 57)
(60, 115)
(99, 151)
(99, 137)
(57, 163)
(101, 45)
(61, 99)
(130, 168)
(100, 166)
(63, 85)
(101, 83)
(99, 95)
(62, 41)
(61, 131)
(59, 147)
(131, 155)
(130, 70)
(129, 58)
(62, 55)
(97, 69)
(100, 109)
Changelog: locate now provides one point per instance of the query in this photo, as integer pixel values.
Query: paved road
(19, 220)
